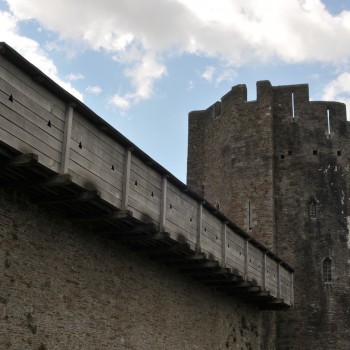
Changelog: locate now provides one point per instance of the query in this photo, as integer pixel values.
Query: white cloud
(338, 89)
(142, 76)
(120, 101)
(31, 50)
(208, 73)
(96, 90)
(73, 76)
(218, 75)
(237, 32)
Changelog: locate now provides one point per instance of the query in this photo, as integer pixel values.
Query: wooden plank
(105, 144)
(182, 212)
(24, 105)
(11, 121)
(26, 85)
(271, 276)
(235, 251)
(95, 167)
(145, 174)
(255, 264)
(88, 181)
(92, 150)
(24, 142)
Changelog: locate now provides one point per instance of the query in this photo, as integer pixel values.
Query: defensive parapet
(60, 152)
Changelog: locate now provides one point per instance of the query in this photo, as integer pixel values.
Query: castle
(102, 248)
(279, 167)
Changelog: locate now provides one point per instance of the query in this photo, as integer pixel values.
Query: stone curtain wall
(64, 287)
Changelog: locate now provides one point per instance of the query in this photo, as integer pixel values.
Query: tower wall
(312, 169)
(288, 158)
(232, 171)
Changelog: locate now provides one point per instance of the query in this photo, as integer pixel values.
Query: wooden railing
(41, 118)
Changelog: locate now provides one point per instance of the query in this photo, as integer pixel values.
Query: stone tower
(280, 168)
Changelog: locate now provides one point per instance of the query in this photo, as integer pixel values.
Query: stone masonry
(64, 287)
(279, 166)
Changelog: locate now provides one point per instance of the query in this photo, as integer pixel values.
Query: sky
(143, 65)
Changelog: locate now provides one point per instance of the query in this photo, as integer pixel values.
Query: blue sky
(142, 65)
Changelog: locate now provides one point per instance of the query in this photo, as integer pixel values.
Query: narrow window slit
(338, 153)
(327, 270)
(152, 194)
(249, 216)
(328, 124)
(80, 145)
(49, 124)
(135, 182)
(11, 98)
(112, 167)
(313, 209)
(171, 207)
(314, 152)
(282, 156)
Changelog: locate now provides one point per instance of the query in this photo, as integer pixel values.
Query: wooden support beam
(175, 247)
(264, 272)
(276, 304)
(180, 258)
(81, 197)
(54, 181)
(246, 259)
(158, 236)
(245, 291)
(141, 228)
(198, 265)
(199, 226)
(21, 160)
(126, 179)
(224, 244)
(163, 206)
(208, 271)
(225, 282)
(114, 216)
(67, 138)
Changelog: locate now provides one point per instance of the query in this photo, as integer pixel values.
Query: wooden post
(279, 280)
(67, 138)
(199, 226)
(264, 272)
(126, 179)
(246, 253)
(163, 207)
(224, 244)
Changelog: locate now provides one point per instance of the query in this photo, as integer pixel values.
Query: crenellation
(236, 96)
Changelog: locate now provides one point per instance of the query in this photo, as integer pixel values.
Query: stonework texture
(279, 167)
(64, 287)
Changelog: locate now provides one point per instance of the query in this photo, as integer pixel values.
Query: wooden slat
(30, 88)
